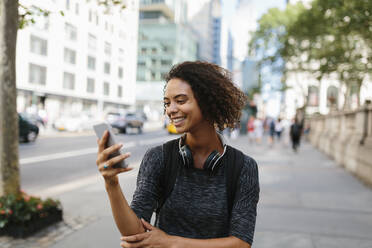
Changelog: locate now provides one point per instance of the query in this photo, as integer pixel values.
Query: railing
(347, 138)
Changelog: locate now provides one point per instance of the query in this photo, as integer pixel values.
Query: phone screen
(99, 129)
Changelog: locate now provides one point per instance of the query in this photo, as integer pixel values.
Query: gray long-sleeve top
(197, 206)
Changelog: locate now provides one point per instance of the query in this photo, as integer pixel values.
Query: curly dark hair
(219, 99)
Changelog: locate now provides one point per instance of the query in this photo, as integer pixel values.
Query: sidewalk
(306, 201)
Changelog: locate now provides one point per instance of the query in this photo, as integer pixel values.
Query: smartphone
(99, 129)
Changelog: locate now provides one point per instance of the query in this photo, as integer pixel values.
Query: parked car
(122, 122)
(28, 131)
(33, 118)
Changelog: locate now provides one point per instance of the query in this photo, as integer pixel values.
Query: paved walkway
(306, 201)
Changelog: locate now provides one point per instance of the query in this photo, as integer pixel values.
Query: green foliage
(268, 40)
(27, 14)
(21, 208)
(330, 37)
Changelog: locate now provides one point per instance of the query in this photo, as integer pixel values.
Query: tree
(329, 38)
(10, 21)
(269, 39)
(9, 170)
(337, 38)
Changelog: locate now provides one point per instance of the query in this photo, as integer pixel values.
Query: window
(121, 54)
(165, 62)
(97, 19)
(90, 85)
(67, 4)
(313, 96)
(141, 77)
(68, 81)
(38, 45)
(141, 63)
(37, 74)
(120, 72)
(153, 61)
(77, 8)
(153, 50)
(90, 16)
(107, 68)
(92, 42)
(143, 50)
(91, 63)
(41, 22)
(120, 91)
(106, 89)
(107, 48)
(70, 56)
(122, 34)
(70, 32)
(332, 96)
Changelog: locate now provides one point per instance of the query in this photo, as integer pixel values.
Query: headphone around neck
(210, 164)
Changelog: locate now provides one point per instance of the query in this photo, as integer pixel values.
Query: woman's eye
(181, 101)
(166, 104)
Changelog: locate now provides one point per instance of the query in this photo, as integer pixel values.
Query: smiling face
(182, 107)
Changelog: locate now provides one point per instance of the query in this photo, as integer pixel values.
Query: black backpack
(233, 160)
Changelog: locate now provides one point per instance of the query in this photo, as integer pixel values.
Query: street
(56, 161)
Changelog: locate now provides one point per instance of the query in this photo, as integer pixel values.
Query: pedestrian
(295, 134)
(258, 130)
(271, 131)
(200, 100)
(250, 129)
(279, 128)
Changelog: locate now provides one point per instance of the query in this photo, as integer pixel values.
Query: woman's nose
(172, 108)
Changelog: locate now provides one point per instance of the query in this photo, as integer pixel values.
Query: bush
(19, 209)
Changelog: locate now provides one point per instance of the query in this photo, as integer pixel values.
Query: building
(164, 39)
(230, 52)
(204, 16)
(250, 75)
(82, 61)
(320, 96)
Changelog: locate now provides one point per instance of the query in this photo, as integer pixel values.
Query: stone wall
(347, 138)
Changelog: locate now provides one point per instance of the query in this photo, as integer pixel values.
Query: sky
(241, 20)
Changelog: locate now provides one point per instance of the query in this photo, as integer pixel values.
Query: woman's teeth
(177, 120)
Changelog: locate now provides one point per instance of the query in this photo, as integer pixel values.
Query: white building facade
(321, 96)
(82, 61)
(205, 17)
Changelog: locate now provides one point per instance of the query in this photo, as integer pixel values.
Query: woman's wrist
(111, 183)
(175, 241)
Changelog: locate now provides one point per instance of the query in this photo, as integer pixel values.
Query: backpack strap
(234, 160)
(168, 179)
(233, 167)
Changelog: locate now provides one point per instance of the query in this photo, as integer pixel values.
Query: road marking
(86, 151)
(79, 183)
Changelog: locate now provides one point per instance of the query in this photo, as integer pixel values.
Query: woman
(198, 98)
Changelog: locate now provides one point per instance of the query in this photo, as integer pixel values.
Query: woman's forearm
(228, 242)
(126, 220)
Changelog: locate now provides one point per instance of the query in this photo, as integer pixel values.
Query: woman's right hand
(105, 165)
